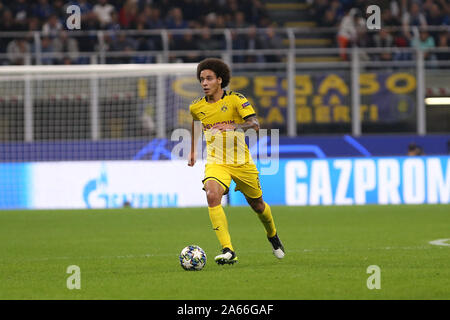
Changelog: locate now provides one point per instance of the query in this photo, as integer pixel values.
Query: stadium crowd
(200, 18)
(399, 19)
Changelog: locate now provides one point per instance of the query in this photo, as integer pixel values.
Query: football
(192, 258)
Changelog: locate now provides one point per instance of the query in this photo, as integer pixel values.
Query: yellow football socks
(267, 221)
(220, 226)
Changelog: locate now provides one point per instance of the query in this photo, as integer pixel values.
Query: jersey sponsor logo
(245, 104)
(209, 125)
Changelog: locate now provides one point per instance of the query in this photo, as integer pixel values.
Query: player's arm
(251, 122)
(196, 133)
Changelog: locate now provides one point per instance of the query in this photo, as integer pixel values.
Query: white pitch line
(93, 258)
(440, 242)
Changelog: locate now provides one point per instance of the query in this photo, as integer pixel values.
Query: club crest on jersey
(224, 108)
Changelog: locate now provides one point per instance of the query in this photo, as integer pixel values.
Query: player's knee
(213, 197)
(258, 206)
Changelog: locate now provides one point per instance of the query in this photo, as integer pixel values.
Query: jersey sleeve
(243, 106)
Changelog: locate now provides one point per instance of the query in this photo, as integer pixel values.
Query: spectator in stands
(347, 4)
(47, 51)
(52, 27)
(389, 19)
(415, 150)
(103, 10)
(383, 39)
(239, 20)
(66, 48)
(21, 13)
(18, 50)
(175, 19)
(128, 14)
(412, 18)
(190, 9)
(435, 17)
(348, 31)
(33, 24)
(329, 20)
(338, 8)
(445, 5)
(187, 43)
(255, 11)
(217, 21)
(7, 24)
(124, 45)
(208, 42)
(88, 42)
(253, 43)
(425, 42)
(143, 42)
(206, 7)
(229, 11)
(42, 10)
(114, 25)
(444, 43)
(238, 38)
(59, 8)
(154, 21)
(271, 40)
(318, 8)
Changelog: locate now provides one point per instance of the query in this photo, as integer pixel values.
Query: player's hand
(192, 159)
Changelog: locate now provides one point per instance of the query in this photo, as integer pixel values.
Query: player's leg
(264, 213)
(214, 193)
(216, 184)
(247, 181)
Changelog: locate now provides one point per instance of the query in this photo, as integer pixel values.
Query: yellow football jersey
(228, 147)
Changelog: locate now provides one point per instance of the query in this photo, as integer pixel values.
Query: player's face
(210, 82)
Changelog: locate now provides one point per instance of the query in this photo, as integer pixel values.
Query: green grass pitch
(133, 253)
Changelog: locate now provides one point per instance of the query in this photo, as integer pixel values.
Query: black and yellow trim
(250, 115)
(223, 184)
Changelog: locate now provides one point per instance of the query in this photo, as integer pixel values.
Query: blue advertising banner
(356, 181)
(160, 149)
(14, 185)
(296, 182)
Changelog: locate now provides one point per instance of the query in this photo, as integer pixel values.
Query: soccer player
(225, 116)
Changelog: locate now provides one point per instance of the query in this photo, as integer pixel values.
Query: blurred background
(312, 69)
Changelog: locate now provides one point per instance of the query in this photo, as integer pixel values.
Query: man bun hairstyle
(219, 67)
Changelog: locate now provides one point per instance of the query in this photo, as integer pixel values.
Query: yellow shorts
(245, 176)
